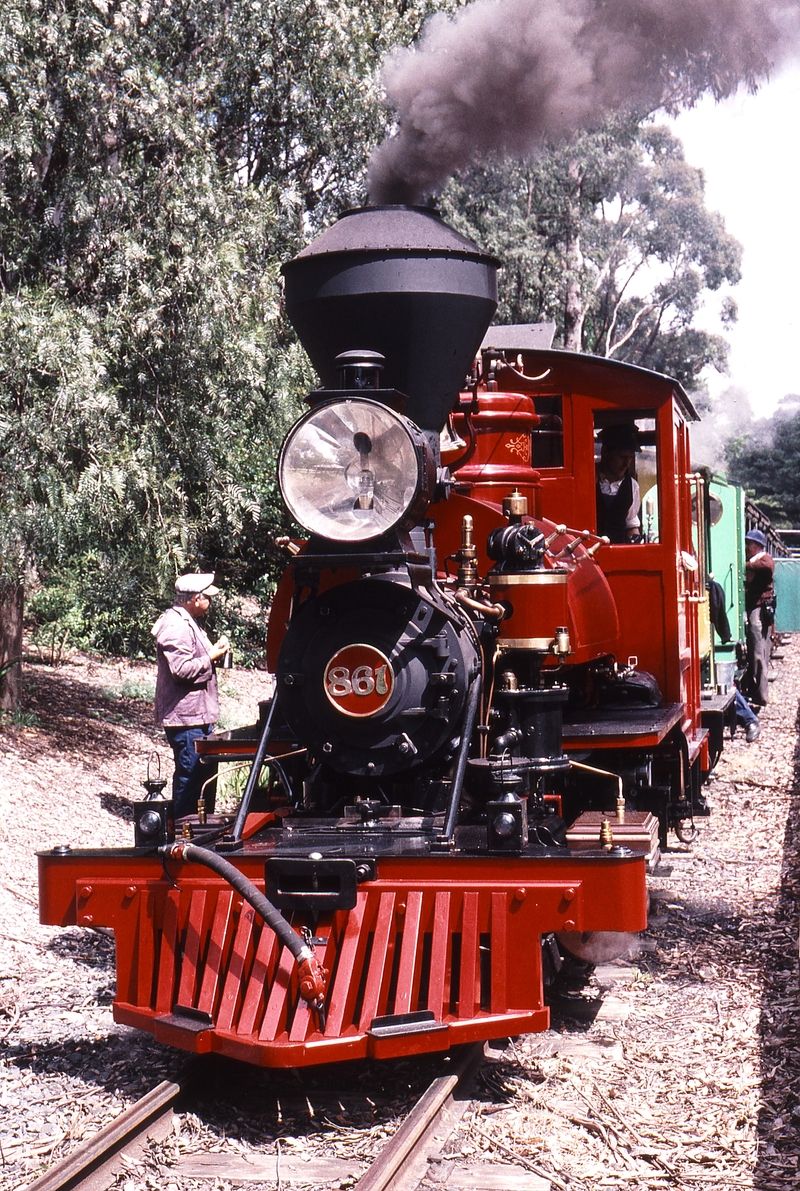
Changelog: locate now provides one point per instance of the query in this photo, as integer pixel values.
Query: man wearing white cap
(187, 703)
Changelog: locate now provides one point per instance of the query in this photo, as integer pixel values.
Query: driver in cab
(618, 497)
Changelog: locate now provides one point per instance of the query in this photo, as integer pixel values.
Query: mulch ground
(677, 1067)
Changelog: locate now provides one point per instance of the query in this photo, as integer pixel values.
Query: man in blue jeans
(187, 701)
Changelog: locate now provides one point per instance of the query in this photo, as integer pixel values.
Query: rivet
(569, 894)
(86, 919)
(520, 895)
(86, 891)
(401, 909)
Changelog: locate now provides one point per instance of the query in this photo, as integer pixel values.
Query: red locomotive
(485, 713)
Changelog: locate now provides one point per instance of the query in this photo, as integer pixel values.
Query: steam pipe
(604, 773)
(473, 703)
(496, 612)
(313, 976)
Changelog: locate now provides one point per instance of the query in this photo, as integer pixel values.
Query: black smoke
(505, 76)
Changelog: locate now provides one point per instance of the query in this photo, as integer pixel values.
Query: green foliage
(159, 161)
(609, 238)
(767, 463)
(138, 689)
(20, 718)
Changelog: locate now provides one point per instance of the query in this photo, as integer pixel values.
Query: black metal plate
(293, 883)
(397, 1024)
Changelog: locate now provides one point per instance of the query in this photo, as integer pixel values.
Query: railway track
(401, 1165)
(93, 1164)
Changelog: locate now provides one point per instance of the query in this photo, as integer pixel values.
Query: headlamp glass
(350, 470)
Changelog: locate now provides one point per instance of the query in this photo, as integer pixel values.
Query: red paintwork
(499, 451)
(414, 940)
(591, 612)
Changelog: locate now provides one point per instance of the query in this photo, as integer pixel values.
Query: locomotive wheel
(596, 946)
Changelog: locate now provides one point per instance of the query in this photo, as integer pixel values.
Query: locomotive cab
(635, 705)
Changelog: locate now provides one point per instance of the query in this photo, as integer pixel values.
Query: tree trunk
(11, 605)
(573, 261)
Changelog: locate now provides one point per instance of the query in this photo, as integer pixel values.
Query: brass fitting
(606, 835)
(583, 535)
(467, 556)
(495, 612)
(557, 532)
(515, 505)
(561, 645)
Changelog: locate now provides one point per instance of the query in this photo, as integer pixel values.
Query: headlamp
(353, 469)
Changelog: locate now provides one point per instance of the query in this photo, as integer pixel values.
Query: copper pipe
(496, 612)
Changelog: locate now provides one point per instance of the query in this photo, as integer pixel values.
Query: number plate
(359, 680)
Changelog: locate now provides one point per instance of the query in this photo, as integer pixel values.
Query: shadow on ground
(778, 1164)
(80, 718)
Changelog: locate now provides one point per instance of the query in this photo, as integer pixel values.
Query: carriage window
(626, 467)
(547, 440)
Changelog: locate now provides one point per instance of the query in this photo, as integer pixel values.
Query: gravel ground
(687, 1074)
(68, 773)
(677, 1067)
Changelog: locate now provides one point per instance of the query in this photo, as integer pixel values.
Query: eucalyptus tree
(158, 160)
(766, 460)
(609, 237)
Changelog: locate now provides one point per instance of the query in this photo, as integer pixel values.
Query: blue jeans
(191, 771)
(744, 712)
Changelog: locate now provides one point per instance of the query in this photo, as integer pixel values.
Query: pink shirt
(186, 684)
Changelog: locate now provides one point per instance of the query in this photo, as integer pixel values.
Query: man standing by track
(187, 702)
(759, 595)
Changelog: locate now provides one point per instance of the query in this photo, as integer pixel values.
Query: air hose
(313, 977)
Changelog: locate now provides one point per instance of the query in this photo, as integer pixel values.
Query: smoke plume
(505, 76)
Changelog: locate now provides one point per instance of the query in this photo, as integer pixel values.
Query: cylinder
(538, 603)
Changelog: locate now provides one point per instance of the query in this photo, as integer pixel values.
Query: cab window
(547, 440)
(626, 476)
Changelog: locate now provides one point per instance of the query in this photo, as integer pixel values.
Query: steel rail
(415, 1128)
(93, 1162)
(87, 1159)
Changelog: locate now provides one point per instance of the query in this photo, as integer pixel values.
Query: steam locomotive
(485, 721)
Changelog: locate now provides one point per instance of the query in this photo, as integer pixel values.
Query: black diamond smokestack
(505, 76)
(399, 281)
